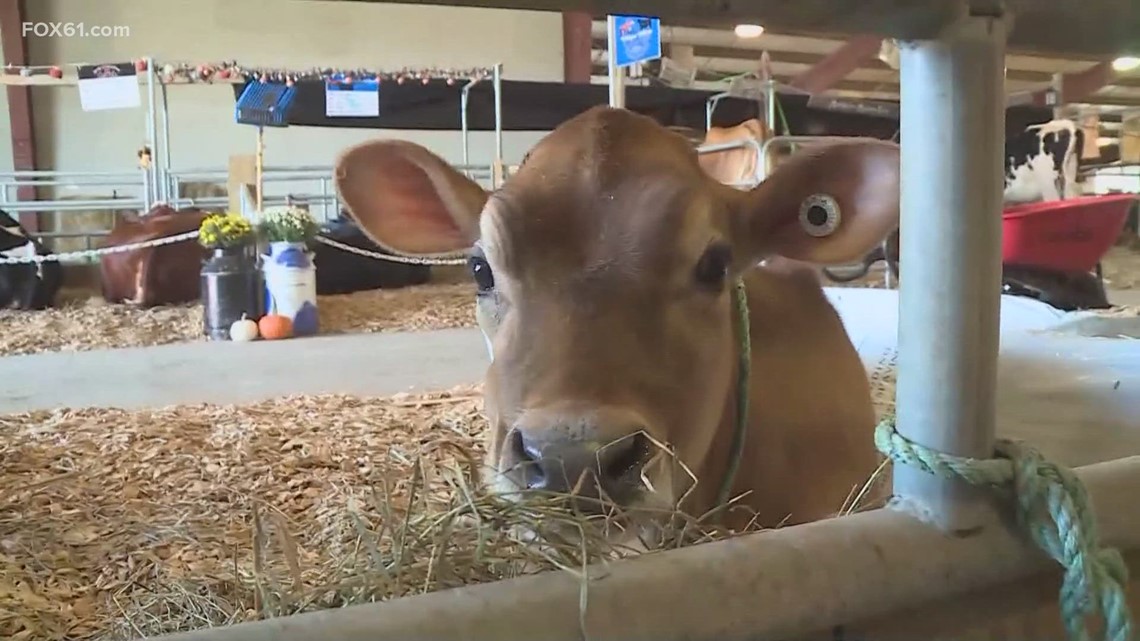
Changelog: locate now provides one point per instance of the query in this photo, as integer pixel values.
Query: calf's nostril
(527, 459)
(623, 456)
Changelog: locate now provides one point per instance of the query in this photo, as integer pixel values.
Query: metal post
(260, 169)
(498, 87)
(616, 73)
(165, 113)
(151, 172)
(710, 107)
(464, 96)
(770, 105)
(1056, 84)
(952, 128)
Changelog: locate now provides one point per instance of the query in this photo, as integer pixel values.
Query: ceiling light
(748, 30)
(1123, 63)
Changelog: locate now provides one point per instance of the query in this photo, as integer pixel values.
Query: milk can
(231, 287)
(291, 285)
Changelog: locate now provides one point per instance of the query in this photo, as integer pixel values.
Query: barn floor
(84, 322)
(224, 493)
(118, 525)
(248, 490)
(225, 372)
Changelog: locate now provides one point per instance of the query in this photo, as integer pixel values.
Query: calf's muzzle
(596, 455)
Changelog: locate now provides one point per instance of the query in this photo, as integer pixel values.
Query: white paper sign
(352, 97)
(109, 86)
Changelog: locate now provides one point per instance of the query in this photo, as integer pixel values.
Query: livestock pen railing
(106, 192)
(132, 191)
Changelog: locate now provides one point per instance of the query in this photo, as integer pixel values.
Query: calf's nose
(606, 454)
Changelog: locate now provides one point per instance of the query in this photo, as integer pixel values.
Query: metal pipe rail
(757, 175)
(764, 151)
(46, 206)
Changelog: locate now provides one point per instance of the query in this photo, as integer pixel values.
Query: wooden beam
(872, 62)
(576, 44)
(1076, 87)
(836, 65)
(15, 48)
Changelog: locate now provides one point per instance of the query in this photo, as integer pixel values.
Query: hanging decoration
(230, 71)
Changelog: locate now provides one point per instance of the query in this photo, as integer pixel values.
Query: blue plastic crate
(265, 104)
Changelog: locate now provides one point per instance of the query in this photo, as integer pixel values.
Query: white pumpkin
(243, 330)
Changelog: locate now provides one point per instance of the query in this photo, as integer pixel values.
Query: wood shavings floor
(85, 322)
(117, 523)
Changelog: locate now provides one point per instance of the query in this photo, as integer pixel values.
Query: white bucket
(292, 292)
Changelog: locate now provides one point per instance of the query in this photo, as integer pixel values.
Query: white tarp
(1075, 397)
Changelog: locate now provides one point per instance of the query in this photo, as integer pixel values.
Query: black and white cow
(25, 285)
(1041, 162)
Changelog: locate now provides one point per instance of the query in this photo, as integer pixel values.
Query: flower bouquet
(288, 268)
(220, 232)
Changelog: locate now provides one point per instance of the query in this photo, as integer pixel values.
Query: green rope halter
(1051, 503)
(743, 378)
(1053, 507)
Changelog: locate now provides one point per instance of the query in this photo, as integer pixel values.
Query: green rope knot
(1053, 506)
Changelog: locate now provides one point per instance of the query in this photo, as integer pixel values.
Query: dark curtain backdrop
(542, 106)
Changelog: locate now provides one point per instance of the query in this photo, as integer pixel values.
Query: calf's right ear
(407, 199)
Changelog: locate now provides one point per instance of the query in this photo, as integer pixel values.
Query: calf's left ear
(827, 205)
(406, 198)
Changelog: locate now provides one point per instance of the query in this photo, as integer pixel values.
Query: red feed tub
(1066, 235)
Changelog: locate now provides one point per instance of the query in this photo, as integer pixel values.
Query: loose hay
(117, 524)
(88, 323)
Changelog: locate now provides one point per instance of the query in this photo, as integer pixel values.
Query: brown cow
(153, 276)
(605, 271)
(737, 165)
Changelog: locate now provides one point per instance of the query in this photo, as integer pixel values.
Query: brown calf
(605, 272)
(153, 276)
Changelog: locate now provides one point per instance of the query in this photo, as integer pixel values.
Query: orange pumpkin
(275, 326)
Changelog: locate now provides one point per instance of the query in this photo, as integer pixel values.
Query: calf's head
(604, 272)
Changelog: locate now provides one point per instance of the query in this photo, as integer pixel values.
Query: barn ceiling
(1096, 28)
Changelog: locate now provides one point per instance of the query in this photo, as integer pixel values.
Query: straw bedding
(116, 524)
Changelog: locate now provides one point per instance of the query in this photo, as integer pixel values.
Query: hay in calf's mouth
(117, 525)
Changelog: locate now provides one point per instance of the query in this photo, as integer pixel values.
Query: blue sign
(636, 39)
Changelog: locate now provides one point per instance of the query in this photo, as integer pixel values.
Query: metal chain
(415, 260)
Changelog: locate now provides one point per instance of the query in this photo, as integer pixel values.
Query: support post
(498, 86)
(13, 13)
(151, 193)
(260, 170)
(951, 189)
(770, 105)
(616, 73)
(464, 98)
(164, 123)
(1058, 86)
(576, 44)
